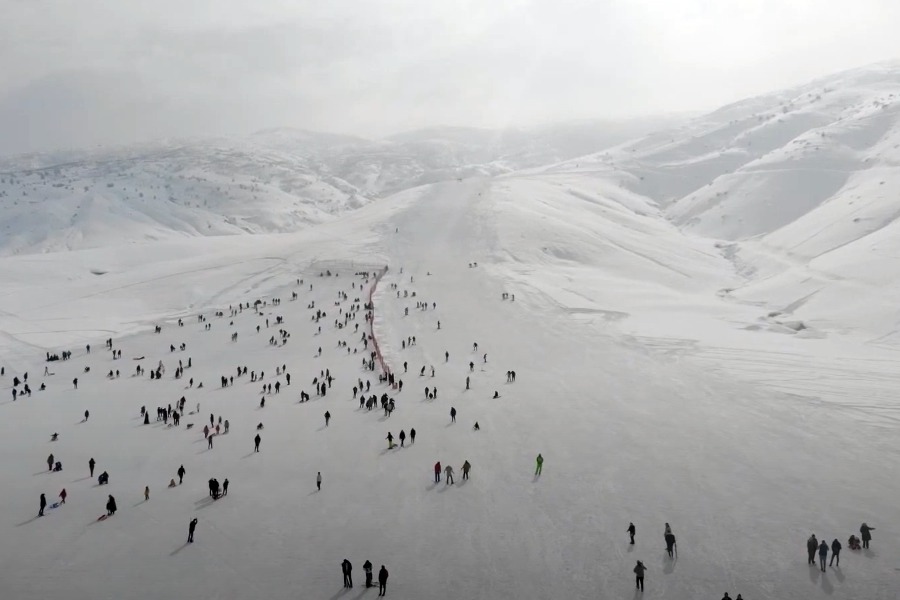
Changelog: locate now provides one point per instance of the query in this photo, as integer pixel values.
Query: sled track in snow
(384, 368)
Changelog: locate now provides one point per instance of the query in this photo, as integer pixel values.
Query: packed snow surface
(735, 381)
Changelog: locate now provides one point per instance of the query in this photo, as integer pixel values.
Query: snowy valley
(702, 319)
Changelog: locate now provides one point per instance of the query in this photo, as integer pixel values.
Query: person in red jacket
(437, 472)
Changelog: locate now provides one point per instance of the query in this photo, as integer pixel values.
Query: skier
(639, 569)
(540, 465)
(191, 527)
(631, 531)
(437, 472)
(465, 470)
(811, 545)
(62, 496)
(452, 415)
(146, 493)
(319, 481)
(835, 552)
(382, 581)
(256, 440)
(347, 570)
(43, 505)
(865, 530)
(327, 418)
(448, 472)
(823, 554)
(181, 473)
(367, 567)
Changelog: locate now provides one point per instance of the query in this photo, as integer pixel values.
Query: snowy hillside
(611, 331)
(274, 181)
(801, 188)
(735, 378)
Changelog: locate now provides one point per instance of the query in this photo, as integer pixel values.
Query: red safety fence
(384, 367)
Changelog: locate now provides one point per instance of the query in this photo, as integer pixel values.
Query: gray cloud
(92, 71)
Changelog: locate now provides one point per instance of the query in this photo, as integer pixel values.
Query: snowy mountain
(734, 377)
(274, 181)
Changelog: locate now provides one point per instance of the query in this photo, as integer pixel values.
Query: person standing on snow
(540, 465)
(452, 415)
(835, 552)
(319, 481)
(367, 567)
(181, 473)
(256, 441)
(382, 581)
(62, 496)
(639, 570)
(448, 473)
(402, 437)
(50, 462)
(437, 472)
(146, 493)
(670, 542)
(631, 531)
(225, 487)
(347, 570)
(110, 506)
(390, 439)
(412, 436)
(327, 418)
(43, 505)
(864, 531)
(812, 544)
(465, 470)
(191, 527)
(823, 554)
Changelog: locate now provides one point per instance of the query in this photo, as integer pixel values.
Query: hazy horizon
(79, 75)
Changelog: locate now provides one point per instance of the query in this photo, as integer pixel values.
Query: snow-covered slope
(165, 191)
(615, 333)
(277, 180)
(736, 381)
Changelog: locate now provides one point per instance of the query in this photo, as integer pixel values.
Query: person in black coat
(812, 544)
(382, 581)
(835, 552)
(367, 567)
(110, 506)
(256, 440)
(346, 569)
(191, 527)
(864, 531)
(43, 505)
(670, 543)
(631, 531)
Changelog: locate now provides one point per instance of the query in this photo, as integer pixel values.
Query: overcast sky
(82, 72)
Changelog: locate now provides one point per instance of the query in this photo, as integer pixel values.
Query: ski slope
(653, 396)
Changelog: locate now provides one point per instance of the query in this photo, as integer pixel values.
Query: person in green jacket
(540, 465)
